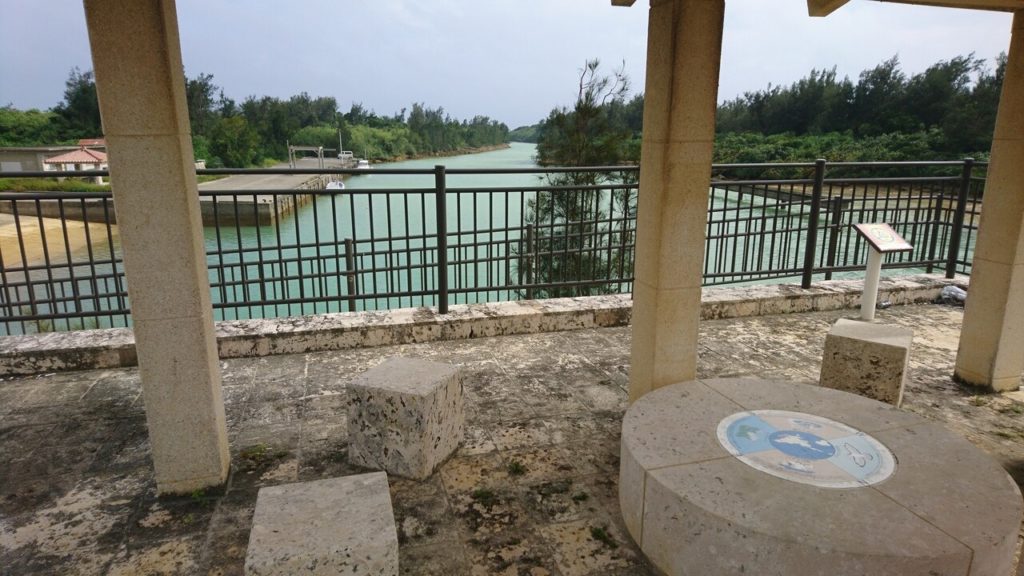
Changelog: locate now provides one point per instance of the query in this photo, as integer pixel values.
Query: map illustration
(806, 448)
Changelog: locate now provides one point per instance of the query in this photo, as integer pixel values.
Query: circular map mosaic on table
(806, 448)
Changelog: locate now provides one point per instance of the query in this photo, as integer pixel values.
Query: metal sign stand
(882, 239)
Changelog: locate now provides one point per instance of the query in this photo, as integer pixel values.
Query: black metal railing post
(936, 228)
(441, 191)
(812, 224)
(958, 217)
(350, 273)
(529, 261)
(836, 206)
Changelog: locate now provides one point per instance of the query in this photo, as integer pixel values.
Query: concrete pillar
(991, 350)
(684, 45)
(140, 84)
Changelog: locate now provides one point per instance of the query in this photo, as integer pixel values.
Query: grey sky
(509, 59)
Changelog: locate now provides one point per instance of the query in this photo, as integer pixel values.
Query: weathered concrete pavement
(532, 491)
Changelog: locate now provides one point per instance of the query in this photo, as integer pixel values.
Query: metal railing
(534, 233)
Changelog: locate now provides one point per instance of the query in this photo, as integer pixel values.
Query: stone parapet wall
(115, 347)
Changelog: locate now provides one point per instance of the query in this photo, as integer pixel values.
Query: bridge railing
(434, 237)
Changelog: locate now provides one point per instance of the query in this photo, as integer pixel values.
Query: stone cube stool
(867, 359)
(405, 416)
(337, 526)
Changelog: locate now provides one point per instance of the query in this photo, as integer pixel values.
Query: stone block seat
(405, 416)
(747, 476)
(867, 359)
(337, 526)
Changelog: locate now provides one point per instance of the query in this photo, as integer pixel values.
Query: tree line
(945, 112)
(257, 130)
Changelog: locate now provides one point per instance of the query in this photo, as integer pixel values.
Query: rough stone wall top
(115, 347)
(405, 376)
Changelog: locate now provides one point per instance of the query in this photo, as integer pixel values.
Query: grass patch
(50, 185)
(557, 487)
(516, 468)
(580, 497)
(1012, 409)
(261, 454)
(601, 535)
(484, 496)
(70, 184)
(977, 401)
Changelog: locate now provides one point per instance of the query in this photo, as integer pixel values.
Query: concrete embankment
(242, 204)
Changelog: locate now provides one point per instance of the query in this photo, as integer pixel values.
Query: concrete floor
(532, 492)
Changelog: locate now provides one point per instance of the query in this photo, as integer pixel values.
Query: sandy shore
(32, 235)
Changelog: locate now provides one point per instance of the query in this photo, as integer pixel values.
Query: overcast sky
(508, 59)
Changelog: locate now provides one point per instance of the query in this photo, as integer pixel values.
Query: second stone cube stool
(339, 526)
(867, 359)
(405, 416)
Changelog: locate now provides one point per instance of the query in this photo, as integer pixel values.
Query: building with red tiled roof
(81, 159)
(93, 143)
(81, 156)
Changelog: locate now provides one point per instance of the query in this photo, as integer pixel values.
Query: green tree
(234, 143)
(581, 225)
(200, 94)
(326, 136)
(27, 128)
(78, 116)
(525, 134)
(878, 100)
(969, 127)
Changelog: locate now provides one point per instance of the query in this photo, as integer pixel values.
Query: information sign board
(883, 238)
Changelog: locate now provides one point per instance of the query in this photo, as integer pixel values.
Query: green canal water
(391, 225)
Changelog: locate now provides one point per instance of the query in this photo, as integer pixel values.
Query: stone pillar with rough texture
(992, 337)
(140, 85)
(684, 42)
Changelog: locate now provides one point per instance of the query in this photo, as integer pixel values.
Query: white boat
(335, 185)
(363, 164)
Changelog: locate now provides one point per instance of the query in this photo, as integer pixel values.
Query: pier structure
(243, 204)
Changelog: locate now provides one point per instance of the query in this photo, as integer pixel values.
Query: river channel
(389, 221)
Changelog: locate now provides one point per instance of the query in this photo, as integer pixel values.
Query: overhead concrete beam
(996, 5)
(824, 7)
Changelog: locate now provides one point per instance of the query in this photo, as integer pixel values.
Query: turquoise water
(519, 155)
(391, 225)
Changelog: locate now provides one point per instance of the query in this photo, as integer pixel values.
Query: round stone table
(744, 476)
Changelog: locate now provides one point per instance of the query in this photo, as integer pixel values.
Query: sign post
(882, 239)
